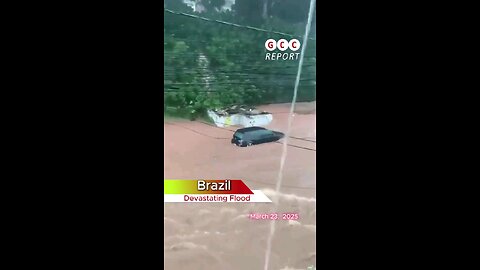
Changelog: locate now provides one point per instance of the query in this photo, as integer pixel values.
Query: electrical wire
(218, 138)
(195, 131)
(250, 54)
(296, 146)
(231, 24)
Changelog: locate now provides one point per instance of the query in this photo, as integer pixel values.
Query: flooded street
(220, 236)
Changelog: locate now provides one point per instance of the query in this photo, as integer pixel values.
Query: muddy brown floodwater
(220, 236)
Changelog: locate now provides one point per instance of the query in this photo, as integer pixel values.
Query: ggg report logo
(282, 45)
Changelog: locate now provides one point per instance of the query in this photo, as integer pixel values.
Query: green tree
(237, 72)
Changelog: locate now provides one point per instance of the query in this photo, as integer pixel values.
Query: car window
(259, 134)
(266, 133)
(238, 135)
(254, 134)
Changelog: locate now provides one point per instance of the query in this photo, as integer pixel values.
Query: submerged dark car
(255, 135)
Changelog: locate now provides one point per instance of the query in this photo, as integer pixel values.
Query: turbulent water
(222, 236)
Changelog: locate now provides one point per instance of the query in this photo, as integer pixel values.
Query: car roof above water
(249, 129)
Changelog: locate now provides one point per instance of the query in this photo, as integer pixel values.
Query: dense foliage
(209, 65)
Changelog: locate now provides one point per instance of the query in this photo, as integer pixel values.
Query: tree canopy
(209, 64)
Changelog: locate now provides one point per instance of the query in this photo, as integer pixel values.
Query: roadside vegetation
(211, 65)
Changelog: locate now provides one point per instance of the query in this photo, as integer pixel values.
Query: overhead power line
(224, 75)
(268, 69)
(178, 90)
(220, 138)
(225, 82)
(292, 145)
(232, 24)
(195, 131)
(250, 55)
